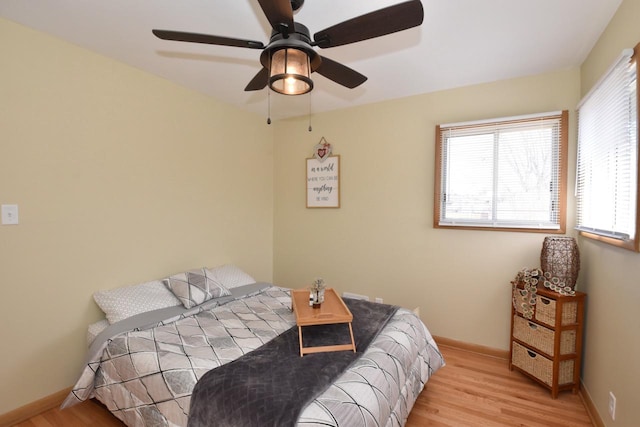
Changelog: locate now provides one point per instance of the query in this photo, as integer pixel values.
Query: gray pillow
(194, 287)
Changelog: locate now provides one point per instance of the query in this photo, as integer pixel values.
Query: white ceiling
(460, 43)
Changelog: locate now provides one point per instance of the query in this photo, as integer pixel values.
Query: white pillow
(94, 329)
(230, 276)
(121, 303)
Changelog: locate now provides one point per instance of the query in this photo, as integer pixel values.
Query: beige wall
(120, 177)
(611, 276)
(381, 241)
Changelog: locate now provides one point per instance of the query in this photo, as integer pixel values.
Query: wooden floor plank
(471, 390)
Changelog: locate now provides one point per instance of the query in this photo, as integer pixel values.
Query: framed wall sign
(323, 182)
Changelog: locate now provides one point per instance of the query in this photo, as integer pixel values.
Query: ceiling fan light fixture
(290, 70)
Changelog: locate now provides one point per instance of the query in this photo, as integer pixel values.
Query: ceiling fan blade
(259, 81)
(180, 36)
(340, 74)
(279, 13)
(375, 24)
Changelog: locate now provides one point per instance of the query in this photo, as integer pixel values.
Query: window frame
(562, 175)
(633, 243)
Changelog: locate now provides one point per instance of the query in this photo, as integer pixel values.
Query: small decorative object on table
(525, 286)
(560, 261)
(316, 296)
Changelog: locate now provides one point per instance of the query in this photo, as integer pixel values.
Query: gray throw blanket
(271, 385)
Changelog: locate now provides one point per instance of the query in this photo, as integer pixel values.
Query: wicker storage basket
(543, 338)
(541, 367)
(545, 308)
(546, 311)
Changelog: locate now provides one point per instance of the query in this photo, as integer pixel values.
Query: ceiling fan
(289, 58)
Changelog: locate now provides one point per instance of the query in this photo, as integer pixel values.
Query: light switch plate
(9, 214)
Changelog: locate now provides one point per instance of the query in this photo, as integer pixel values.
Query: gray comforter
(144, 369)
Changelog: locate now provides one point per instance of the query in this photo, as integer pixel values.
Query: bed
(144, 364)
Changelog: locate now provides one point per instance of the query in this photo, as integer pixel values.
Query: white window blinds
(503, 173)
(606, 182)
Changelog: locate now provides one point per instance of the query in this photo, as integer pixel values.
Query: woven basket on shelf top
(560, 256)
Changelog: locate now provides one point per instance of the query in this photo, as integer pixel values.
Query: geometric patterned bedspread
(145, 376)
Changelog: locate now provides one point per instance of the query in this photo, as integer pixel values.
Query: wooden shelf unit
(548, 347)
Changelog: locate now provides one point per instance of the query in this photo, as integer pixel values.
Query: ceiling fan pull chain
(268, 107)
(310, 129)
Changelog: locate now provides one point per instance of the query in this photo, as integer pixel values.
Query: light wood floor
(472, 390)
(477, 390)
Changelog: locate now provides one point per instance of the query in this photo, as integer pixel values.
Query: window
(607, 169)
(502, 174)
